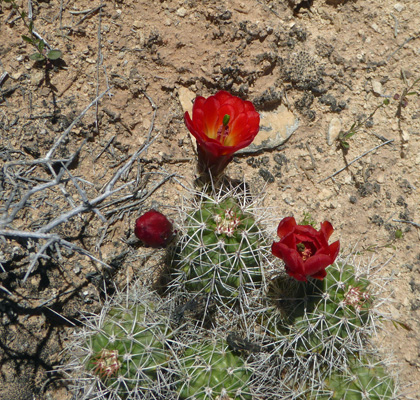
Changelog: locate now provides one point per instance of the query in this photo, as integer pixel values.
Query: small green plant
(308, 219)
(398, 234)
(344, 136)
(42, 53)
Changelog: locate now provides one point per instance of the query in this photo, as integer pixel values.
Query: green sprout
(344, 136)
(42, 53)
(308, 219)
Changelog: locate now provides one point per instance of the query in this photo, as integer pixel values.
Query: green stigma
(226, 119)
(300, 247)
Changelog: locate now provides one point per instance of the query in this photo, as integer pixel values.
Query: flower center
(107, 363)
(305, 252)
(226, 224)
(223, 131)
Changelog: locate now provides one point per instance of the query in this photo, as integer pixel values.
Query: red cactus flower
(153, 229)
(221, 124)
(304, 250)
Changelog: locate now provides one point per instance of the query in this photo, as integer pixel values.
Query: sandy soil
(328, 64)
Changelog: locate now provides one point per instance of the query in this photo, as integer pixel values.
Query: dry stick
(75, 121)
(30, 10)
(92, 11)
(61, 18)
(28, 194)
(134, 157)
(98, 63)
(400, 47)
(353, 161)
(407, 222)
(84, 197)
(104, 149)
(80, 209)
(46, 236)
(67, 196)
(38, 255)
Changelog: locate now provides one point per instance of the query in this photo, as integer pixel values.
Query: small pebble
(377, 88)
(333, 130)
(399, 7)
(182, 12)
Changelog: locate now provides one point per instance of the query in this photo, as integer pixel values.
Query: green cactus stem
(220, 250)
(363, 380)
(209, 370)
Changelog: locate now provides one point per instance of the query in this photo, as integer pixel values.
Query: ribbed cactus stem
(209, 370)
(222, 249)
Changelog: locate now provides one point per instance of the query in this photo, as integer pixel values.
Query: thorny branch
(61, 177)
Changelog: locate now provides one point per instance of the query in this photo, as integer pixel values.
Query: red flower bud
(153, 229)
(221, 124)
(304, 250)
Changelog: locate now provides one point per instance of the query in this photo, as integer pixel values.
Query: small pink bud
(153, 229)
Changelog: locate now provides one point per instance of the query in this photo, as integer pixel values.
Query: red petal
(211, 117)
(286, 226)
(291, 257)
(197, 111)
(222, 96)
(226, 109)
(191, 127)
(334, 249)
(320, 275)
(317, 263)
(327, 229)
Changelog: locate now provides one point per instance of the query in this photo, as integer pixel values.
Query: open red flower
(221, 124)
(153, 229)
(304, 250)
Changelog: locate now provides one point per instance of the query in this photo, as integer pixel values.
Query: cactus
(363, 380)
(329, 317)
(209, 370)
(222, 247)
(123, 352)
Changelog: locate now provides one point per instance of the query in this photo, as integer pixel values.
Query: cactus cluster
(233, 322)
(291, 339)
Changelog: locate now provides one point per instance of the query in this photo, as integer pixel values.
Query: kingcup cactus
(222, 248)
(209, 370)
(328, 317)
(122, 353)
(362, 380)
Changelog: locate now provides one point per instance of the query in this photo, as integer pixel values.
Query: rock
(399, 7)
(37, 77)
(266, 175)
(377, 88)
(375, 27)
(333, 130)
(182, 12)
(276, 127)
(186, 98)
